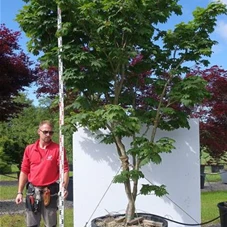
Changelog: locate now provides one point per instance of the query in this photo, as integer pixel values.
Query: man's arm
(22, 181)
(66, 180)
(65, 183)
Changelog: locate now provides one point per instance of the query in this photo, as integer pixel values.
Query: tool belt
(36, 195)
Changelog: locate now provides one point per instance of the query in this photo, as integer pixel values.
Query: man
(40, 174)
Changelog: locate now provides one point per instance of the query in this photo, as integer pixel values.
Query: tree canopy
(15, 72)
(125, 71)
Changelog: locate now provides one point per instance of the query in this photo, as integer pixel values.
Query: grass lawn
(209, 201)
(8, 192)
(213, 177)
(19, 220)
(8, 177)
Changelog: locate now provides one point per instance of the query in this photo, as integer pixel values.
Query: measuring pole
(61, 123)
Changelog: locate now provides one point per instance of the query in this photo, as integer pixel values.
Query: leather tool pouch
(46, 196)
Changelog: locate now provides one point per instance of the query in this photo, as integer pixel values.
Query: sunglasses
(46, 132)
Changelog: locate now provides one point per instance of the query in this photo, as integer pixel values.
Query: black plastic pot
(202, 169)
(202, 176)
(223, 213)
(202, 180)
(216, 168)
(145, 215)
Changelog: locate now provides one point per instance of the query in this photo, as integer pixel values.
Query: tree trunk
(130, 212)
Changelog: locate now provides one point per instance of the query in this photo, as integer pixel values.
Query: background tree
(4, 158)
(15, 72)
(125, 71)
(213, 113)
(21, 130)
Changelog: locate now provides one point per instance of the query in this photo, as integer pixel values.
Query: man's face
(45, 133)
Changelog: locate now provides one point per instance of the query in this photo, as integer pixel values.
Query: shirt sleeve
(66, 163)
(25, 166)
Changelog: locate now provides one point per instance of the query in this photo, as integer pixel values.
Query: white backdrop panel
(95, 165)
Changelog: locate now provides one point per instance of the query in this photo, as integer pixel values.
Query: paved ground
(8, 183)
(214, 186)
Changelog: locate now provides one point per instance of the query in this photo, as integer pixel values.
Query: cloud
(221, 29)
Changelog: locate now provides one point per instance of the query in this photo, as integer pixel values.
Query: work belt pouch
(33, 198)
(46, 196)
(54, 188)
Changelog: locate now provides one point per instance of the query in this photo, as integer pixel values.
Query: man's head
(45, 131)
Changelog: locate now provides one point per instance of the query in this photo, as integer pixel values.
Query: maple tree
(126, 72)
(213, 112)
(15, 72)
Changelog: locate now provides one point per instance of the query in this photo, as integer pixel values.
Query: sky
(9, 9)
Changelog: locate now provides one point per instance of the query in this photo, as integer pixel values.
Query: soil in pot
(141, 220)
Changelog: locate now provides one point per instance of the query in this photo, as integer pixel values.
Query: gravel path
(214, 186)
(10, 207)
(8, 183)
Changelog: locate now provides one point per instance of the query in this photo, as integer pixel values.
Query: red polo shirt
(42, 165)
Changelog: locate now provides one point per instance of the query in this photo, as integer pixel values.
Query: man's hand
(19, 198)
(65, 193)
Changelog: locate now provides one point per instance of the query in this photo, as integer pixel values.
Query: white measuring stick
(61, 123)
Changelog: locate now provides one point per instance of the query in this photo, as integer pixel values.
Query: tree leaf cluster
(15, 73)
(212, 114)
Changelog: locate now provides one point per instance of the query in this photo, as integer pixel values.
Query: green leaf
(158, 190)
(122, 177)
(127, 175)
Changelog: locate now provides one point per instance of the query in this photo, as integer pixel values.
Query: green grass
(19, 220)
(8, 192)
(209, 201)
(8, 177)
(12, 220)
(213, 177)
